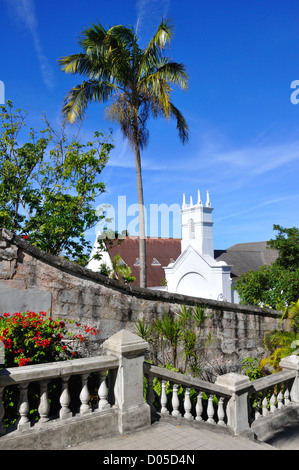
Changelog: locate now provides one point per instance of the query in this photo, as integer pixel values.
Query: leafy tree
(48, 186)
(138, 82)
(275, 285)
(287, 245)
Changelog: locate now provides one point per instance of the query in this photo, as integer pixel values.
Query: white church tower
(196, 272)
(197, 226)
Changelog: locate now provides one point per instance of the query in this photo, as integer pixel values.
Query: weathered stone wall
(35, 280)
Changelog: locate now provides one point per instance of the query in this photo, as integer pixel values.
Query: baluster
(199, 407)
(265, 410)
(23, 407)
(103, 392)
(2, 413)
(279, 399)
(273, 402)
(287, 394)
(84, 396)
(150, 392)
(175, 401)
(44, 405)
(164, 409)
(210, 410)
(187, 405)
(65, 399)
(221, 413)
(257, 413)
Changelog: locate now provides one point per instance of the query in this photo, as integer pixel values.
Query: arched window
(191, 228)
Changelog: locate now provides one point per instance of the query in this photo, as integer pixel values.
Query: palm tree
(138, 83)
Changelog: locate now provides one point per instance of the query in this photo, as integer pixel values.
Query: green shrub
(33, 338)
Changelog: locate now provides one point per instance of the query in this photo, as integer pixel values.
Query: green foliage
(287, 245)
(251, 368)
(179, 332)
(282, 343)
(35, 338)
(138, 80)
(120, 270)
(48, 186)
(275, 285)
(270, 286)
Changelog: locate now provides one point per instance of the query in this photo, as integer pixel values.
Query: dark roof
(244, 257)
(159, 253)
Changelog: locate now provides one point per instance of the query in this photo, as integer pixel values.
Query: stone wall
(35, 280)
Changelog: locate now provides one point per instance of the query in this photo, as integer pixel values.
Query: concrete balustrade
(121, 407)
(232, 404)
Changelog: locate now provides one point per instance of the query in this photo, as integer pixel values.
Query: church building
(195, 272)
(185, 266)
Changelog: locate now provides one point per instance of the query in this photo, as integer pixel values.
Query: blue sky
(241, 56)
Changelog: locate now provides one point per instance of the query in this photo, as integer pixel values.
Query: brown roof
(159, 253)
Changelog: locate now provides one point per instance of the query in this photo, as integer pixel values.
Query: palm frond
(172, 72)
(83, 64)
(182, 126)
(162, 36)
(80, 96)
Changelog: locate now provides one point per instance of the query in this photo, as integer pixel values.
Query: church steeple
(197, 226)
(208, 203)
(199, 199)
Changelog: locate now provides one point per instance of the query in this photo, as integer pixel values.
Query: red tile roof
(159, 253)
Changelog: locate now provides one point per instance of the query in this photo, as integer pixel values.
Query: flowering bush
(32, 338)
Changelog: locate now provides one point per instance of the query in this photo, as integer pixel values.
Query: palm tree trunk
(142, 236)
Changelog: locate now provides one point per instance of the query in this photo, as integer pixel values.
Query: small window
(137, 262)
(155, 262)
(191, 227)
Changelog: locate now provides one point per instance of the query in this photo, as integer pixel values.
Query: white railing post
(44, 405)
(23, 407)
(133, 411)
(237, 410)
(103, 393)
(84, 396)
(65, 399)
(292, 363)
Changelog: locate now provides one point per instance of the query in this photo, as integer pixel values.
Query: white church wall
(196, 272)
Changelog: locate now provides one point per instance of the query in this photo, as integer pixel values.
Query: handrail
(44, 373)
(270, 380)
(51, 370)
(185, 380)
(233, 401)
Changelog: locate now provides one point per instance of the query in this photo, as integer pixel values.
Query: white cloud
(149, 14)
(254, 208)
(24, 12)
